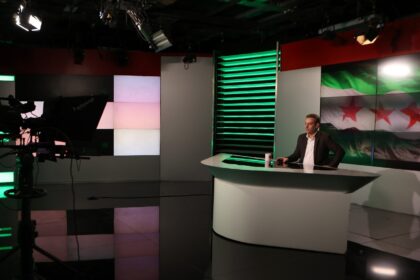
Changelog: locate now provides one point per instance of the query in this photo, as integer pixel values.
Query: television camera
(68, 119)
(64, 119)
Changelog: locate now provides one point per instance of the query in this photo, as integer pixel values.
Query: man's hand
(281, 161)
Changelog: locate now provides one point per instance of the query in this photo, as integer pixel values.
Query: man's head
(312, 123)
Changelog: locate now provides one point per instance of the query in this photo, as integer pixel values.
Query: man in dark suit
(314, 146)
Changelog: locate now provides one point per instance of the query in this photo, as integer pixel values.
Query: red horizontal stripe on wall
(60, 61)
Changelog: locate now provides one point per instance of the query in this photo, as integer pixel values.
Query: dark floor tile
(92, 221)
(87, 270)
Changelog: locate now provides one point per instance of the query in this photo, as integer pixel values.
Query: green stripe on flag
(363, 82)
(405, 85)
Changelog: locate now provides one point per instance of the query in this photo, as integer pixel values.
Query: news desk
(282, 206)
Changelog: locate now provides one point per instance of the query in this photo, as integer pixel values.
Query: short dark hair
(314, 116)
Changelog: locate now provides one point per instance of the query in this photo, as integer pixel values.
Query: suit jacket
(323, 145)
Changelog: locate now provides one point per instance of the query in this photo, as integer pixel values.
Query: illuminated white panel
(107, 118)
(137, 115)
(39, 110)
(129, 142)
(140, 89)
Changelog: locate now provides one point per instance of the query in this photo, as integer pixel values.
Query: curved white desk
(283, 207)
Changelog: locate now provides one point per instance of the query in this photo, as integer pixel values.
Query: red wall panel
(60, 61)
(397, 38)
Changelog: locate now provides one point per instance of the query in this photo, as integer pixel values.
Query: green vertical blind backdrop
(245, 94)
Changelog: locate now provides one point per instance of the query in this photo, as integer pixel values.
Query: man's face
(311, 126)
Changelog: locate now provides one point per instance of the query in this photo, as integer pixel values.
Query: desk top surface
(217, 162)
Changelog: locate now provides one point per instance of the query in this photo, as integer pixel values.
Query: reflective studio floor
(163, 231)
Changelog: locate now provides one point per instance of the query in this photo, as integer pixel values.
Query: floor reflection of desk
(234, 260)
(283, 207)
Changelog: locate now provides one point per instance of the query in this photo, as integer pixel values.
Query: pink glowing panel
(107, 118)
(129, 142)
(143, 89)
(135, 244)
(136, 219)
(50, 222)
(56, 245)
(137, 115)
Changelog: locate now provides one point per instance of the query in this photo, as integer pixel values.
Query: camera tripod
(26, 228)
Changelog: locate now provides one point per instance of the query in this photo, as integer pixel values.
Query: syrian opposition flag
(380, 117)
(395, 112)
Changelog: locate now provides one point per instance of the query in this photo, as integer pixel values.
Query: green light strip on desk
(5, 229)
(2, 235)
(247, 160)
(245, 145)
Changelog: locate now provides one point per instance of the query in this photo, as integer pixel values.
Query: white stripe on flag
(334, 92)
(332, 112)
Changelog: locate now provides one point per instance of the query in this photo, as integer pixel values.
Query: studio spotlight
(157, 41)
(26, 20)
(363, 40)
(367, 28)
(141, 26)
(368, 37)
(160, 41)
(369, 32)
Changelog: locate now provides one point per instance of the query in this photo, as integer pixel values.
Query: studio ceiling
(196, 25)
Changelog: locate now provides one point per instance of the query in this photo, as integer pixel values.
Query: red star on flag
(351, 110)
(382, 113)
(413, 112)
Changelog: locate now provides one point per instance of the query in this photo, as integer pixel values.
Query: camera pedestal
(26, 228)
